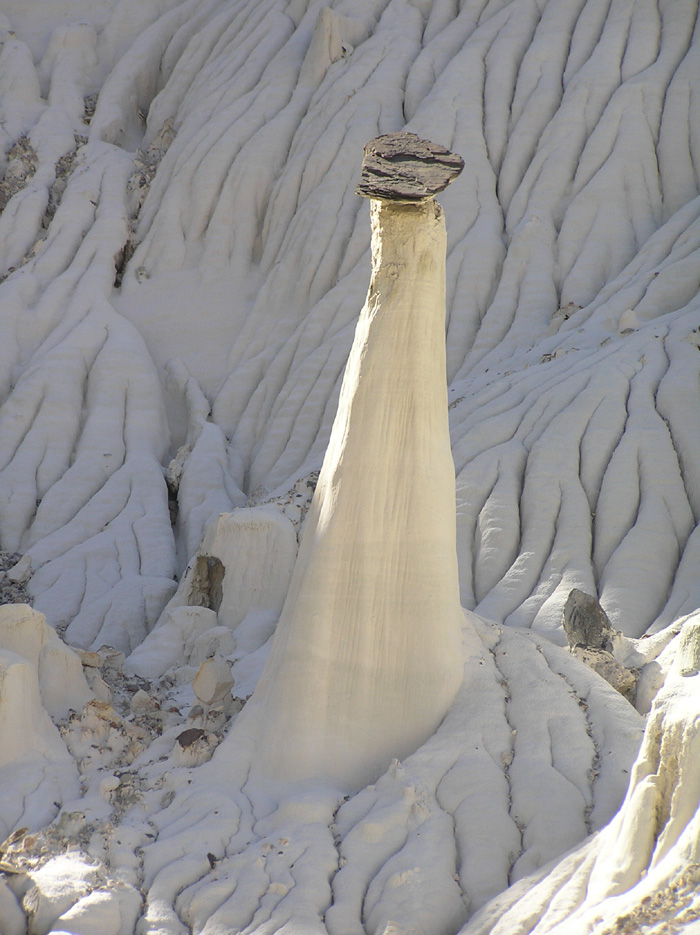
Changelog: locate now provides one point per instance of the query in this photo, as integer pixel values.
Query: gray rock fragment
(405, 168)
(586, 623)
(190, 736)
(591, 639)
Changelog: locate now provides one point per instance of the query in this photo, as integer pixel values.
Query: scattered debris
(13, 589)
(561, 315)
(173, 475)
(294, 503)
(146, 164)
(606, 665)
(64, 168)
(22, 164)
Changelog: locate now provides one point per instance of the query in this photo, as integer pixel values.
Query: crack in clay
(508, 757)
(594, 770)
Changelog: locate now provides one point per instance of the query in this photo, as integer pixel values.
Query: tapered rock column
(367, 657)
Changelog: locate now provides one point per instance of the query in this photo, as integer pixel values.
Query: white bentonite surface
(183, 261)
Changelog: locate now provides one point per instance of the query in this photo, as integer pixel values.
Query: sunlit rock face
(182, 263)
(39, 677)
(641, 872)
(367, 654)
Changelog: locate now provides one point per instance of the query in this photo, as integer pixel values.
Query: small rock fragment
(108, 786)
(190, 736)
(22, 571)
(142, 703)
(98, 686)
(591, 639)
(213, 680)
(194, 746)
(606, 665)
(113, 658)
(216, 641)
(88, 659)
(586, 623)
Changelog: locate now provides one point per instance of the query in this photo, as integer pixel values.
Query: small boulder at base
(213, 680)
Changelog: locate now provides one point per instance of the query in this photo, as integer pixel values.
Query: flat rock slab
(403, 167)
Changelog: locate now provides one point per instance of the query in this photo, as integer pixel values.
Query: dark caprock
(404, 167)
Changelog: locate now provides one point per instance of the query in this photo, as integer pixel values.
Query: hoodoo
(367, 656)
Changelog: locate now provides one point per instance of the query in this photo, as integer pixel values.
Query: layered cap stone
(405, 168)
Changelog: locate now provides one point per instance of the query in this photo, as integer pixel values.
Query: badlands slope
(183, 261)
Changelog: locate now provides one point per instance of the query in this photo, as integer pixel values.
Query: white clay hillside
(349, 546)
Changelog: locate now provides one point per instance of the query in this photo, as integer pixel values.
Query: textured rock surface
(621, 678)
(641, 872)
(218, 348)
(366, 658)
(586, 623)
(403, 167)
(213, 681)
(37, 775)
(25, 632)
(591, 638)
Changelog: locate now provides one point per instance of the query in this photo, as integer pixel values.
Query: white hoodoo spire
(367, 656)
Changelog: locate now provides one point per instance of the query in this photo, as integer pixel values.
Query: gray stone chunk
(590, 635)
(586, 623)
(405, 168)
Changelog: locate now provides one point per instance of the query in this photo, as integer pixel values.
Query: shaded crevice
(206, 589)
(507, 760)
(594, 769)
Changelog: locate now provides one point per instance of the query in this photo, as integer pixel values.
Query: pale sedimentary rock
(367, 656)
(62, 684)
(241, 570)
(642, 870)
(213, 680)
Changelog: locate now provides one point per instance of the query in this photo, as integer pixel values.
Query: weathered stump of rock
(405, 168)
